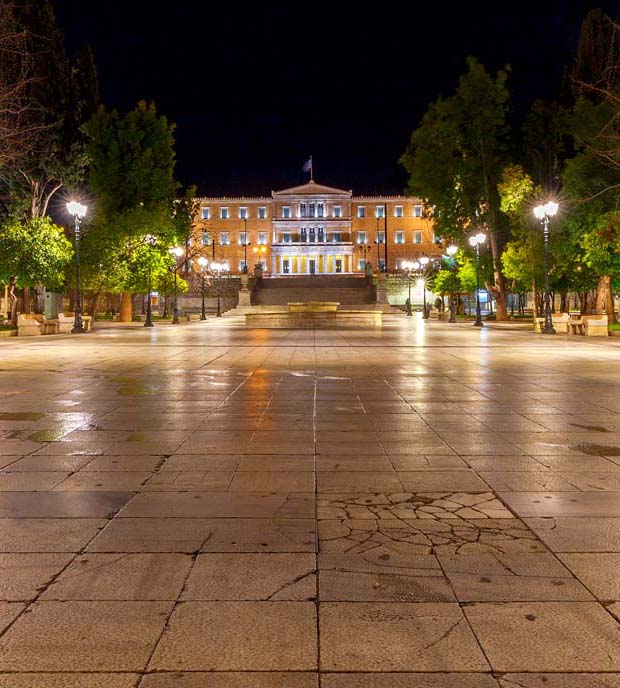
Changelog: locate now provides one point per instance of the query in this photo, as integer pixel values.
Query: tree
(131, 175)
(455, 158)
(33, 252)
(60, 94)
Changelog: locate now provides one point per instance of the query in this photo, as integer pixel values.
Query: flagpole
(311, 170)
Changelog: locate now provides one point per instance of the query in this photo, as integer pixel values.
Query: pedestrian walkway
(424, 506)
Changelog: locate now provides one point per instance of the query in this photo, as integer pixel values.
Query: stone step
(284, 296)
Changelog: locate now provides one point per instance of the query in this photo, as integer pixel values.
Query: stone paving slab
(430, 506)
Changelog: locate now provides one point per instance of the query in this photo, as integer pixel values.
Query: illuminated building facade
(314, 229)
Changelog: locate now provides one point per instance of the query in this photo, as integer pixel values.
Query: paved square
(424, 506)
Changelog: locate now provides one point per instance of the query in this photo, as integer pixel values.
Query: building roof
(311, 188)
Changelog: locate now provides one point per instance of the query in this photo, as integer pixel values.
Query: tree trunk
(94, 303)
(126, 310)
(604, 299)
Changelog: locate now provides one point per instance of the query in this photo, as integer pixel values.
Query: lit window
(337, 211)
(224, 214)
(320, 209)
(262, 238)
(381, 237)
(362, 237)
(399, 237)
(262, 213)
(302, 210)
(417, 238)
(286, 212)
(243, 238)
(206, 238)
(336, 236)
(243, 213)
(361, 211)
(380, 211)
(286, 238)
(417, 211)
(224, 238)
(205, 213)
(242, 266)
(382, 264)
(398, 211)
(361, 264)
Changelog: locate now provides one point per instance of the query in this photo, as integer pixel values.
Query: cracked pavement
(425, 506)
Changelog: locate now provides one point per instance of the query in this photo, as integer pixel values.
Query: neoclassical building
(314, 229)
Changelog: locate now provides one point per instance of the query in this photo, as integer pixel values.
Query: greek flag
(308, 166)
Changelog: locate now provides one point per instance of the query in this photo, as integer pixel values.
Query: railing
(345, 238)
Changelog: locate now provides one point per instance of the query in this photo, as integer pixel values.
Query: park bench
(30, 324)
(560, 323)
(589, 325)
(67, 320)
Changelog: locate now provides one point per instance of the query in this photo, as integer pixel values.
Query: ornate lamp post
(245, 245)
(177, 252)
(451, 251)
(218, 268)
(409, 267)
(378, 243)
(203, 262)
(476, 241)
(424, 261)
(78, 211)
(150, 241)
(544, 213)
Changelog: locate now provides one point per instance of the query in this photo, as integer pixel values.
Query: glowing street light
(219, 268)
(150, 241)
(203, 262)
(451, 250)
(78, 211)
(176, 252)
(544, 213)
(476, 241)
(408, 266)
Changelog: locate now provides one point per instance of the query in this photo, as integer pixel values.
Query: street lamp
(451, 251)
(150, 241)
(544, 213)
(476, 241)
(409, 267)
(218, 268)
(245, 245)
(176, 252)
(424, 261)
(78, 211)
(203, 262)
(378, 244)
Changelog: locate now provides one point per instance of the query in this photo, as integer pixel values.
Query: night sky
(254, 90)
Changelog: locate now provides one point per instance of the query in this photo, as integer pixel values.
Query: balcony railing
(343, 237)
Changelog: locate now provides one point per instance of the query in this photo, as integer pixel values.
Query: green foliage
(466, 274)
(34, 252)
(132, 178)
(602, 245)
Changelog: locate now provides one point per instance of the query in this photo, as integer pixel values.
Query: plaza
(425, 505)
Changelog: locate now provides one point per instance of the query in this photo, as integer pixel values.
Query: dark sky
(254, 90)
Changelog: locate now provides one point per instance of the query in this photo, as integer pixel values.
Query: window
(380, 211)
(206, 238)
(224, 238)
(311, 209)
(337, 210)
(381, 264)
(262, 238)
(205, 213)
(243, 213)
(320, 209)
(417, 237)
(399, 237)
(361, 264)
(243, 238)
(361, 211)
(336, 236)
(417, 211)
(380, 237)
(362, 237)
(242, 266)
(262, 213)
(398, 211)
(224, 214)
(303, 209)
(321, 234)
(286, 237)
(263, 263)
(303, 235)
(286, 212)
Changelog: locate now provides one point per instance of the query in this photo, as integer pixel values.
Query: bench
(560, 322)
(589, 325)
(66, 321)
(31, 324)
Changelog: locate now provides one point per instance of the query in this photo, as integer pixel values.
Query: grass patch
(613, 327)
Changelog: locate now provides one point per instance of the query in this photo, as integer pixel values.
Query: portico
(311, 259)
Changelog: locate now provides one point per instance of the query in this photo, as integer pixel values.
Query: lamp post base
(175, 317)
(77, 330)
(148, 323)
(548, 330)
(478, 323)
